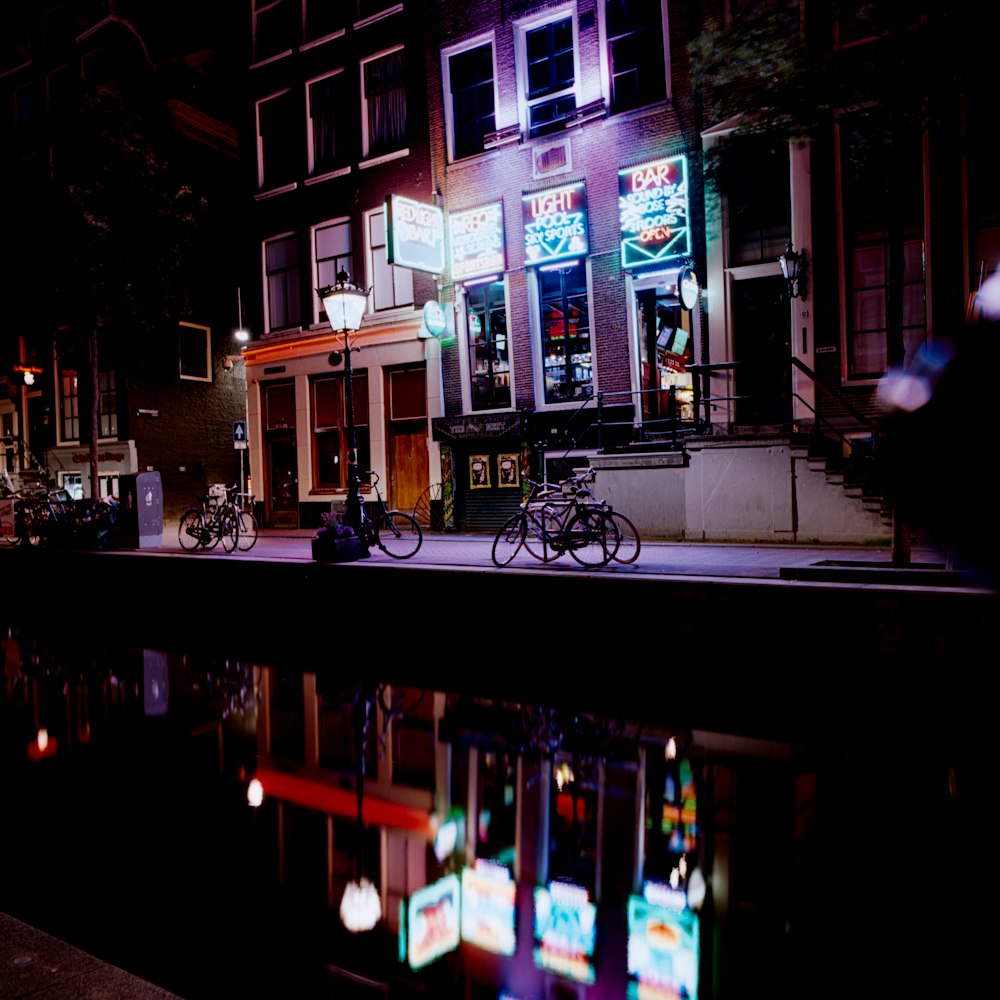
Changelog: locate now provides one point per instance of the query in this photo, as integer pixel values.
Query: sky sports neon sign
(653, 212)
(555, 224)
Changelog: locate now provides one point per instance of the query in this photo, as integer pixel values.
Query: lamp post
(793, 267)
(345, 306)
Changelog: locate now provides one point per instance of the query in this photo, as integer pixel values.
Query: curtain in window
(385, 95)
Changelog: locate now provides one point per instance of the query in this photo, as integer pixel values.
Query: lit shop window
(489, 346)
(565, 334)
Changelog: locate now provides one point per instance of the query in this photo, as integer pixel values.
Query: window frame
(449, 94)
(498, 299)
(69, 421)
(107, 406)
(282, 164)
(293, 296)
(607, 74)
(379, 153)
(401, 276)
(361, 427)
(205, 372)
(327, 275)
(526, 104)
(261, 8)
(340, 160)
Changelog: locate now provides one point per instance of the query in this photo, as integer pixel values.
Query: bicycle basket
(217, 491)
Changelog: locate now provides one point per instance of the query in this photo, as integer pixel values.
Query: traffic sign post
(239, 434)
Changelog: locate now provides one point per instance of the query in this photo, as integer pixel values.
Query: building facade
(166, 395)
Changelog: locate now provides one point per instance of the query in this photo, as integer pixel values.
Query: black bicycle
(213, 520)
(395, 532)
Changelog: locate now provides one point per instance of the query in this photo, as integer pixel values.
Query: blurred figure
(941, 445)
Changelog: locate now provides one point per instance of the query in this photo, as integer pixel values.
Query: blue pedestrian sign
(239, 433)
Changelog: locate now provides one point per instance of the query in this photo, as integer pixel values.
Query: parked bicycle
(395, 532)
(215, 519)
(246, 520)
(554, 520)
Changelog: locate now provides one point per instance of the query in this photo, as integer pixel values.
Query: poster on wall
(565, 930)
(479, 471)
(653, 211)
(663, 951)
(432, 922)
(508, 470)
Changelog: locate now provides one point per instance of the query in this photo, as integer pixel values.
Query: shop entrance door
(761, 327)
(409, 468)
(283, 481)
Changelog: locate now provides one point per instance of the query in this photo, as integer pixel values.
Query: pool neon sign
(477, 244)
(653, 210)
(555, 224)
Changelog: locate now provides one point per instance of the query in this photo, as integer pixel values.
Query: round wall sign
(434, 318)
(687, 288)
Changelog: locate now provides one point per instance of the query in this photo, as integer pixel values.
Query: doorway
(761, 330)
(409, 463)
(282, 481)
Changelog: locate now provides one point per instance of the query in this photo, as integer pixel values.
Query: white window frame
(208, 354)
(464, 365)
(311, 145)
(365, 138)
(376, 258)
(602, 14)
(320, 280)
(521, 29)
(535, 326)
(446, 57)
(260, 143)
(264, 276)
(260, 7)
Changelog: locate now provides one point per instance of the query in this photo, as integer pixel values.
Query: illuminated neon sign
(415, 234)
(489, 904)
(565, 930)
(653, 212)
(431, 926)
(555, 224)
(477, 243)
(663, 952)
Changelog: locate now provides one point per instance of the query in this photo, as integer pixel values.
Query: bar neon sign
(654, 215)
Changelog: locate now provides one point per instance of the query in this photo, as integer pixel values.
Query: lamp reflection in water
(361, 908)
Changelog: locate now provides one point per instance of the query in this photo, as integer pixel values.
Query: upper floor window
(383, 101)
(277, 140)
(195, 352)
(322, 18)
(391, 286)
(69, 405)
(756, 180)
(272, 28)
(284, 296)
(331, 254)
(372, 8)
(469, 77)
(107, 405)
(94, 66)
(26, 109)
(548, 73)
(489, 346)
(327, 109)
(882, 176)
(636, 65)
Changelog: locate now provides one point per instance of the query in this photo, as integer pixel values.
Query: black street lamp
(793, 269)
(345, 306)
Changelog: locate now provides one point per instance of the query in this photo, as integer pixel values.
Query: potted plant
(334, 540)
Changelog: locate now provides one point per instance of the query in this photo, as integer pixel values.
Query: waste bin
(140, 511)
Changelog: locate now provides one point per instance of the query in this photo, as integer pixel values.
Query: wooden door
(409, 468)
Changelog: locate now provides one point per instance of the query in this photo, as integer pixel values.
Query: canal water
(126, 829)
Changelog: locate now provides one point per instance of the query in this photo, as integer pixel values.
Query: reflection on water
(126, 829)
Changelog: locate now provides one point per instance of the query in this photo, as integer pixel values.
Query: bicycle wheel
(248, 530)
(191, 529)
(592, 537)
(398, 534)
(628, 549)
(509, 539)
(543, 525)
(228, 530)
(426, 511)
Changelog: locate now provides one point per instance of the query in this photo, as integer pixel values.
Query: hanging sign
(415, 234)
(653, 212)
(555, 224)
(477, 242)
(434, 318)
(687, 288)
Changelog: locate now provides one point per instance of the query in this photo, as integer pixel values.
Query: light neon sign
(654, 215)
(555, 224)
